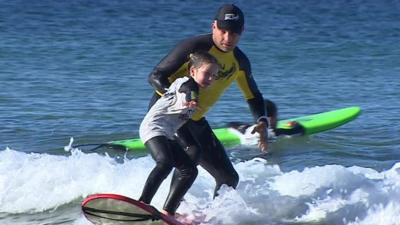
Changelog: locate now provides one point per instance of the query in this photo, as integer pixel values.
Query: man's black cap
(230, 17)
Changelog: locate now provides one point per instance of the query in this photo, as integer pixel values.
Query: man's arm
(254, 98)
(249, 88)
(159, 77)
(174, 65)
(257, 108)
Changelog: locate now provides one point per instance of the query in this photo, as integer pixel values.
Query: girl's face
(205, 74)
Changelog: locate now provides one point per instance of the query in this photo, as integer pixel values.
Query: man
(196, 136)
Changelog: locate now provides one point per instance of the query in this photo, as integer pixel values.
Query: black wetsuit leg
(184, 175)
(211, 154)
(161, 152)
(169, 154)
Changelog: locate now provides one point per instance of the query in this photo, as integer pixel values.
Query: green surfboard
(310, 124)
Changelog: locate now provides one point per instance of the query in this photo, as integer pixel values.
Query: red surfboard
(122, 210)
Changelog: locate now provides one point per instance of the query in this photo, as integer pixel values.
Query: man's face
(225, 40)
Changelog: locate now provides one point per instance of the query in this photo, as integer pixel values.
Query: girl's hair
(197, 59)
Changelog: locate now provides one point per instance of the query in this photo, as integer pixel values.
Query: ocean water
(78, 69)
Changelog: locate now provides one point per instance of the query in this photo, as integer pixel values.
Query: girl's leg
(162, 154)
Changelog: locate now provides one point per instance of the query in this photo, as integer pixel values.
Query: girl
(162, 121)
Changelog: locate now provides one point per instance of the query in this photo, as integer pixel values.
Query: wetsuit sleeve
(191, 90)
(257, 108)
(159, 78)
(249, 88)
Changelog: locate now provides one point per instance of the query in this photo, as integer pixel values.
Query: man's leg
(213, 155)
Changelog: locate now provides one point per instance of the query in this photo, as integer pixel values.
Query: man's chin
(225, 48)
(204, 85)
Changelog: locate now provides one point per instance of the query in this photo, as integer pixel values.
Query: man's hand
(261, 128)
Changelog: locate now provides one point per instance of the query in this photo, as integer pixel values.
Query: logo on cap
(231, 16)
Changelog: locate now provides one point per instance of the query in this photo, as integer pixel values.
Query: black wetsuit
(168, 154)
(196, 136)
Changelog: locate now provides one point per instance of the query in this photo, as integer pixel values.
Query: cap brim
(229, 25)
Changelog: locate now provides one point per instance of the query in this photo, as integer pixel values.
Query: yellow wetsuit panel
(234, 67)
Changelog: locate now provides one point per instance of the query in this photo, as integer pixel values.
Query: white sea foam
(330, 194)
